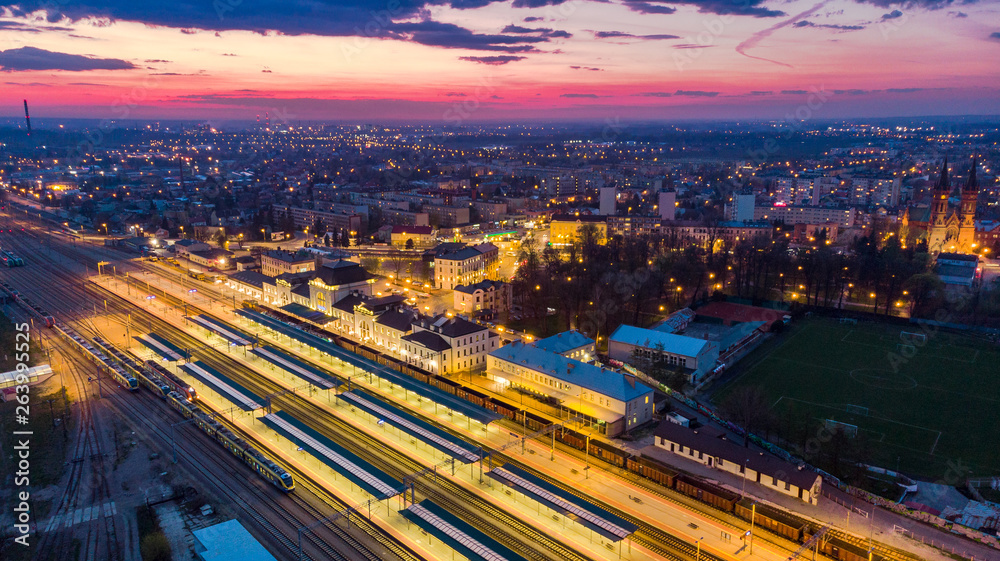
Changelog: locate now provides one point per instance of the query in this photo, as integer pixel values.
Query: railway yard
(380, 464)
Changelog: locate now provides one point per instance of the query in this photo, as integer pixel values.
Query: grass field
(932, 408)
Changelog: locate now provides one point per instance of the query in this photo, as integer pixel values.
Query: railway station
(225, 387)
(220, 329)
(361, 473)
(460, 535)
(296, 367)
(439, 397)
(161, 347)
(604, 523)
(389, 414)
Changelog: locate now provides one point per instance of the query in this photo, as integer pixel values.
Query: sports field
(929, 403)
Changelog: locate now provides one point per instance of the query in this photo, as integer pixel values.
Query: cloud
(805, 23)
(627, 35)
(580, 95)
(958, 14)
(794, 92)
(531, 19)
(654, 94)
(451, 36)
(27, 28)
(853, 92)
(156, 60)
(905, 90)
(758, 92)
(591, 68)
(692, 46)
(995, 35)
(734, 7)
(695, 93)
(542, 31)
(912, 4)
(892, 15)
(31, 58)
(493, 60)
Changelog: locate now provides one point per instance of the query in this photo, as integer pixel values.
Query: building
(714, 234)
(946, 229)
(609, 200)
(740, 208)
(421, 236)
(442, 215)
(570, 344)
(305, 218)
(875, 191)
(667, 205)
(250, 283)
(333, 281)
(446, 345)
(564, 229)
(465, 266)
(212, 258)
(710, 447)
(696, 356)
(610, 401)
(186, 246)
(277, 262)
(490, 212)
(633, 225)
(487, 295)
(228, 541)
(957, 268)
(843, 216)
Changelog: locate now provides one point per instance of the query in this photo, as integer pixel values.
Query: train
(238, 447)
(131, 373)
(777, 521)
(10, 291)
(9, 259)
(29, 306)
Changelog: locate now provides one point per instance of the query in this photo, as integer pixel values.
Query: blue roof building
(613, 401)
(570, 344)
(228, 541)
(695, 355)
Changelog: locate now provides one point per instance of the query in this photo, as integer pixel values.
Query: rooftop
(608, 382)
(229, 541)
(564, 342)
(289, 256)
(342, 272)
(648, 338)
(481, 285)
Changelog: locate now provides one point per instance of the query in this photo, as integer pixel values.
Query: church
(946, 229)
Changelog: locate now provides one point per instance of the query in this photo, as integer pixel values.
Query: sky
(465, 61)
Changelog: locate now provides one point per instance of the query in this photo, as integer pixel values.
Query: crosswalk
(81, 515)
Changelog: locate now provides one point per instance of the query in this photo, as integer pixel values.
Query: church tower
(967, 212)
(937, 229)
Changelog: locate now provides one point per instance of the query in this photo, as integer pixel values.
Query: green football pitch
(929, 402)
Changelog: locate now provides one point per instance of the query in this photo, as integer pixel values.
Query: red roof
(729, 313)
(419, 230)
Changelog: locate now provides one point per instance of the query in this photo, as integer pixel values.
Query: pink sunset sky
(483, 60)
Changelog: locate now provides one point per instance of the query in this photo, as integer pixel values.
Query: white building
(570, 344)
(445, 345)
(468, 265)
(609, 198)
(697, 356)
(611, 401)
(740, 208)
(667, 205)
(484, 295)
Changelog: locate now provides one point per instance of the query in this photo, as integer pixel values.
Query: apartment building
(277, 262)
(845, 217)
(446, 345)
(465, 266)
(492, 295)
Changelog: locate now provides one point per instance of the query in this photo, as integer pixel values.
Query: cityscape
(560, 280)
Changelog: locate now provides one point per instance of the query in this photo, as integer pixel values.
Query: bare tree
(748, 407)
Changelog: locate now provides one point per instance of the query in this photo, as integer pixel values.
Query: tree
(748, 407)
(921, 287)
(220, 238)
(319, 228)
(409, 243)
(155, 547)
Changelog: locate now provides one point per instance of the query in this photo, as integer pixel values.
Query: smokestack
(27, 118)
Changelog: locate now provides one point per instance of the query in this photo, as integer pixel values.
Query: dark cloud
(958, 14)
(805, 23)
(156, 60)
(922, 4)
(28, 28)
(654, 94)
(31, 58)
(531, 19)
(31, 84)
(493, 60)
(735, 7)
(451, 36)
(794, 92)
(591, 68)
(541, 31)
(892, 15)
(905, 90)
(692, 46)
(230, 54)
(995, 35)
(189, 31)
(580, 95)
(626, 35)
(455, 94)
(758, 92)
(695, 93)
(852, 92)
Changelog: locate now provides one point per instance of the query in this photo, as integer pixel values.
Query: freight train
(777, 521)
(31, 308)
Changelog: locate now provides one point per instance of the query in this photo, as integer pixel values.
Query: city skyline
(479, 61)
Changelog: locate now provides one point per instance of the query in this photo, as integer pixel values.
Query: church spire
(971, 184)
(944, 183)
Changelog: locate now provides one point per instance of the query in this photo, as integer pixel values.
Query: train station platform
(165, 349)
(457, 533)
(222, 330)
(392, 415)
(611, 526)
(361, 473)
(240, 396)
(456, 404)
(290, 364)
